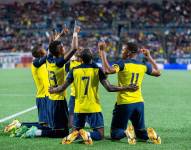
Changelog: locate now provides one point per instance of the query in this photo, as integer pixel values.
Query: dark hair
(53, 47)
(132, 47)
(35, 52)
(86, 55)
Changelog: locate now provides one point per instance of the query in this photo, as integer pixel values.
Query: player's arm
(74, 44)
(63, 87)
(39, 61)
(60, 88)
(154, 71)
(106, 67)
(112, 88)
(56, 35)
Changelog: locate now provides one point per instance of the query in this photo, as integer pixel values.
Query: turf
(167, 109)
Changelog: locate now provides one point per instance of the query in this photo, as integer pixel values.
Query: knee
(97, 135)
(115, 134)
(141, 134)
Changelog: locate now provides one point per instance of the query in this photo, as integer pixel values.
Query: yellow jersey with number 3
(86, 79)
(131, 71)
(56, 75)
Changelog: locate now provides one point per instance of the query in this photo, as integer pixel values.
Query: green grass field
(167, 109)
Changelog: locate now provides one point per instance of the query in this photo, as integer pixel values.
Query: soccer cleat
(155, 139)
(31, 133)
(12, 126)
(87, 139)
(130, 133)
(20, 131)
(70, 138)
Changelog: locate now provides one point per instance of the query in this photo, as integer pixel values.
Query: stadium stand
(162, 27)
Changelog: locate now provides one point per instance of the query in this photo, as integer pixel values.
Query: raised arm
(56, 36)
(74, 44)
(112, 88)
(155, 71)
(106, 67)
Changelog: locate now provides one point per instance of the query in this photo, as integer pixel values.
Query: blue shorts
(71, 104)
(95, 120)
(57, 114)
(123, 113)
(41, 104)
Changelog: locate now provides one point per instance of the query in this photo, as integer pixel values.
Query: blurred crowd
(24, 25)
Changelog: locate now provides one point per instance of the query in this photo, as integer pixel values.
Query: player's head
(86, 56)
(56, 48)
(129, 49)
(38, 51)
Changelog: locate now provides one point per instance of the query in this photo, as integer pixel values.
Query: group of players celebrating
(49, 70)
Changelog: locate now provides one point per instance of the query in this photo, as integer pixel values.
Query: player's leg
(16, 124)
(78, 124)
(57, 114)
(139, 125)
(138, 121)
(96, 122)
(119, 121)
(42, 109)
(71, 110)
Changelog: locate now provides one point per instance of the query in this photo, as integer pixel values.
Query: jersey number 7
(86, 82)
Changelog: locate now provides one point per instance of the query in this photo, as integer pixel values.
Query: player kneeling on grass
(40, 74)
(130, 106)
(85, 79)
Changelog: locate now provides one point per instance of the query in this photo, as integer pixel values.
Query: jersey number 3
(52, 77)
(86, 83)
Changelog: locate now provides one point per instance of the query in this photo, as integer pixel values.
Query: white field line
(17, 114)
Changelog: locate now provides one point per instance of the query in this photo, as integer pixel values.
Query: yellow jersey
(69, 66)
(40, 76)
(131, 71)
(56, 75)
(86, 79)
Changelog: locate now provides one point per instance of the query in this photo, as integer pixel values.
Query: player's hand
(64, 31)
(102, 46)
(51, 90)
(77, 29)
(132, 88)
(145, 52)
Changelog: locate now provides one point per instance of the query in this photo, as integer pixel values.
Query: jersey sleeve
(102, 76)
(70, 76)
(149, 68)
(39, 61)
(60, 62)
(119, 66)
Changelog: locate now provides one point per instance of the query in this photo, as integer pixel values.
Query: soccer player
(40, 76)
(57, 110)
(85, 78)
(130, 106)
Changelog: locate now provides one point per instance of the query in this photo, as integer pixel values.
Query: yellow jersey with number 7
(86, 79)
